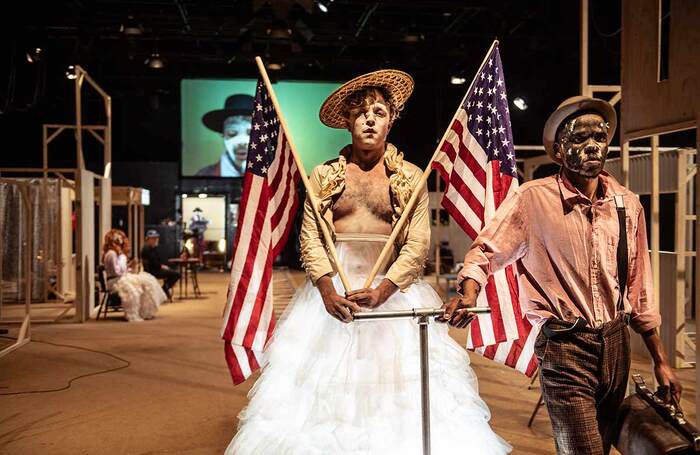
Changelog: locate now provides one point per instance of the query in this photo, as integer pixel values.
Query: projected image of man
(233, 122)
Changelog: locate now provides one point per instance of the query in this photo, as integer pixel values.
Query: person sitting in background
(140, 293)
(153, 264)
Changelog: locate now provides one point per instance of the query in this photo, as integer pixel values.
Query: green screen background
(299, 101)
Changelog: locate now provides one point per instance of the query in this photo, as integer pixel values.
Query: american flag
(266, 214)
(477, 163)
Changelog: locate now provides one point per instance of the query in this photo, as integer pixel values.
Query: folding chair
(108, 301)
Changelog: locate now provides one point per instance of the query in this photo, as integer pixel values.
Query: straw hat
(569, 107)
(398, 84)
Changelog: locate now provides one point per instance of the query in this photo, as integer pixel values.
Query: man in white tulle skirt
(334, 386)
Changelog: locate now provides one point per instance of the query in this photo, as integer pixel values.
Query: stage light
(34, 56)
(184, 196)
(70, 72)
(520, 103)
(221, 245)
(202, 195)
(322, 7)
(456, 80)
(131, 27)
(154, 61)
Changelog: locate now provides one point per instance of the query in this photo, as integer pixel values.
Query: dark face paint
(582, 145)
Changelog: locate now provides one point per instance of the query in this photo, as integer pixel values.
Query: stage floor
(176, 395)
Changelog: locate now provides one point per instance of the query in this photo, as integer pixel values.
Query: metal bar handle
(412, 313)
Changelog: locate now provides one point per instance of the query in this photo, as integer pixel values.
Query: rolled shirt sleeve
(503, 241)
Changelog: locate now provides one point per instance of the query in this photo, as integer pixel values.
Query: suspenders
(622, 265)
(622, 261)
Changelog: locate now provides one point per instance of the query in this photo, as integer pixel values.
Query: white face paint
(236, 133)
(370, 124)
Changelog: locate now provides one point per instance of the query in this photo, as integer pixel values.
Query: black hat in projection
(239, 104)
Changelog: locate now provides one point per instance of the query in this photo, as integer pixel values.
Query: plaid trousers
(584, 380)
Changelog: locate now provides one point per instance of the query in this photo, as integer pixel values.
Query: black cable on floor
(70, 382)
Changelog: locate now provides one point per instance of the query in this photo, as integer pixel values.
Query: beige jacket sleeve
(412, 255)
(313, 252)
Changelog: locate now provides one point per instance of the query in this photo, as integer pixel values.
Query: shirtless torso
(365, 204)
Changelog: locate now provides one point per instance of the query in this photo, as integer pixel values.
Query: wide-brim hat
(398, 84)
(235, 105)
(571, 106)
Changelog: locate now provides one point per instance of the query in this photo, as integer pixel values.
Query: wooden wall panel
(649, 106)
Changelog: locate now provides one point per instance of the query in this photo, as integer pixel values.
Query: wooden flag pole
(414, 196)
(300, 165)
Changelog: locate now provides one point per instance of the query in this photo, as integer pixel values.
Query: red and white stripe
(475, 188)
(266, 214)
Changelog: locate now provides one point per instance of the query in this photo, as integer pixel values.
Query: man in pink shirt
(579, 280)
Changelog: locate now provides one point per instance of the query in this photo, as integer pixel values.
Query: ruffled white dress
(140, 293)
(354, 389)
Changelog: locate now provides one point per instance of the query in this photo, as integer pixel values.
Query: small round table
(187, 267)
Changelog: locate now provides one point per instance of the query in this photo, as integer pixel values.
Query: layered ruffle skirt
(354, 389)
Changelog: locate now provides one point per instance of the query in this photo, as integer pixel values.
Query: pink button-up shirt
(565, 250)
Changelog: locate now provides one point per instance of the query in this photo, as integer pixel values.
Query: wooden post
(655, 255)
(655, 258)
(696, 228)
(424, 178)
(678, 356)
(583, 47)
(625, 162)
(79, 117)
(330, 246)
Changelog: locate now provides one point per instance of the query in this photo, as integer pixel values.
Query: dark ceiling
(432, 40)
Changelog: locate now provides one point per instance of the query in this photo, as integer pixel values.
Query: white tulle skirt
(335, 388)
(140, 293)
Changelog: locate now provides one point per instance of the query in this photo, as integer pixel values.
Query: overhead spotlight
(322, 7)
(275, 66)
(184, 196)
(520, 103)
(70, 72)
(130, 27)
(34, 56)
(456, 80)
(202, 195)
(154, 61)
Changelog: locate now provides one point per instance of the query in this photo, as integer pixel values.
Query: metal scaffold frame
(24, 334)
(82, 183)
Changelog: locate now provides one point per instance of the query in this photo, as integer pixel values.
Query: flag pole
(424, 178)
(300, 165)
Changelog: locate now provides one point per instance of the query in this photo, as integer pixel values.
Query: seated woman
(140, 293)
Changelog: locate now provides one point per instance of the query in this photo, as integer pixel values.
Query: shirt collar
(570, 195)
